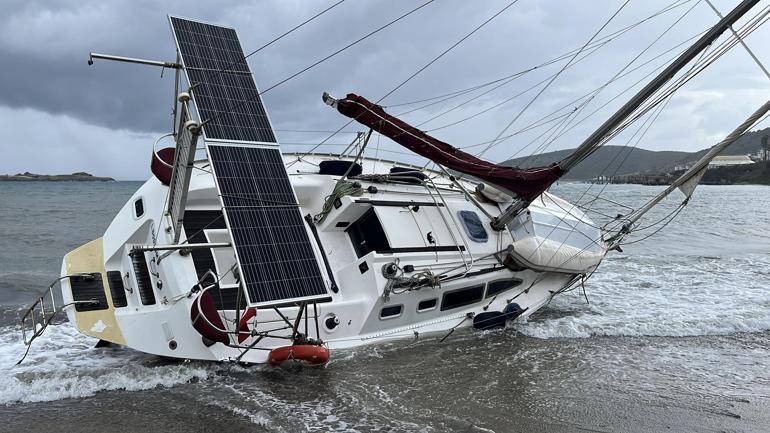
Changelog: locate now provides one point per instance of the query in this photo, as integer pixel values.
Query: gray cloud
(44, 46)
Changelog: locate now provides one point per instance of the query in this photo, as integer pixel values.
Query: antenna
(92, 56)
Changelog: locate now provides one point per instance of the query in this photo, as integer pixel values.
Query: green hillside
(619, 160)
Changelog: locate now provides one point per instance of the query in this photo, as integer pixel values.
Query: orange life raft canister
(312, 355)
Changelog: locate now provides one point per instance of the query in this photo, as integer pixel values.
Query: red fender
(159, 169)
(208, 309)
(243, 326)
(313, 355)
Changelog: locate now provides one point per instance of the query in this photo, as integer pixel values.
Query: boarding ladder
(44, 310)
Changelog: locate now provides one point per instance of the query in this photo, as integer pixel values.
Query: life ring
(312, 355)
(205, 319)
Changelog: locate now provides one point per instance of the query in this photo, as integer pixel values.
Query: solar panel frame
(277, 260)
(229, 97)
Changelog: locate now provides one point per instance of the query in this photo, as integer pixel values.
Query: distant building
(726, 160)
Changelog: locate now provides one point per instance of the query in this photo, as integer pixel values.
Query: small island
(77, 177)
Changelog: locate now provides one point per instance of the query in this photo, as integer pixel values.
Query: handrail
(451, 233)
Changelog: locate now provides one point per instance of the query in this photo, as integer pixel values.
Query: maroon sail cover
(527, 183)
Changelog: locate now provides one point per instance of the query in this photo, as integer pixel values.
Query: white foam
(670, 296)
(64, 364)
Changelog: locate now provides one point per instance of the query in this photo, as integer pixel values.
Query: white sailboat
(235, 251)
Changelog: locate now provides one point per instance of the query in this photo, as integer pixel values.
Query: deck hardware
(331, 322)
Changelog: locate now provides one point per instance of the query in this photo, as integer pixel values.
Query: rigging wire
(567, 122)
(641, 132)
(672, 215)
(746, 47)
(307, 68)
(574, 101)
(529, 104)
(602, 40)
(503, 102)
(681, 81)
(724, 47)
(620, 94)
(435, 59)
(207, 78)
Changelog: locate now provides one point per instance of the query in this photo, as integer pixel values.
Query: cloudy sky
(58, 115)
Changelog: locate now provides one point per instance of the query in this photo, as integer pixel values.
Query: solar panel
(273, 249)
(223, 88)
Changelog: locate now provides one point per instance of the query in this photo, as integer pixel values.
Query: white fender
(543, 254)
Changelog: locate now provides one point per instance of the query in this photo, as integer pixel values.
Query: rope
(341, 189)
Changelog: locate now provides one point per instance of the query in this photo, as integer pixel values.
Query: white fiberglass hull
(151, 312)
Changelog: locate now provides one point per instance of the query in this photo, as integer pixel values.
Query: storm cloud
(59, 115)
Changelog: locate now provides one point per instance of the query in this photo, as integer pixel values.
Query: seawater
(672, 333)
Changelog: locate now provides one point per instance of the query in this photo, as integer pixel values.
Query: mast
(594, 141)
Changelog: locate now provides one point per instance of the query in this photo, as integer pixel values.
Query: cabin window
(427, 305)
(500, 286)
(367, 234)
(391, 312)
(138, 208)
(462, 297)
(474, 228)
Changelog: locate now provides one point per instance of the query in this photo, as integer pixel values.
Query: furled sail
(526, 183)
(689, 180)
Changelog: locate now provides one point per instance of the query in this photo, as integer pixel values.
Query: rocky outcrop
(80, 176)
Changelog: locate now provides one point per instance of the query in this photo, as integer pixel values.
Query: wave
(650, 296)
(63, 364)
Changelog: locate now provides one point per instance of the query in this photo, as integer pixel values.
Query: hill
(620, 160)
(31, 177)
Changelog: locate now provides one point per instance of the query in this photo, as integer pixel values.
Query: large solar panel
(275, 257)
(223, 88)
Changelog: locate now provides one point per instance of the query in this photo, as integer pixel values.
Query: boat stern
(85, 279)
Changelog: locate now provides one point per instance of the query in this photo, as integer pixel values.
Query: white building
(725, 160)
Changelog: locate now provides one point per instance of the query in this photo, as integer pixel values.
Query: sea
(671, 334)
